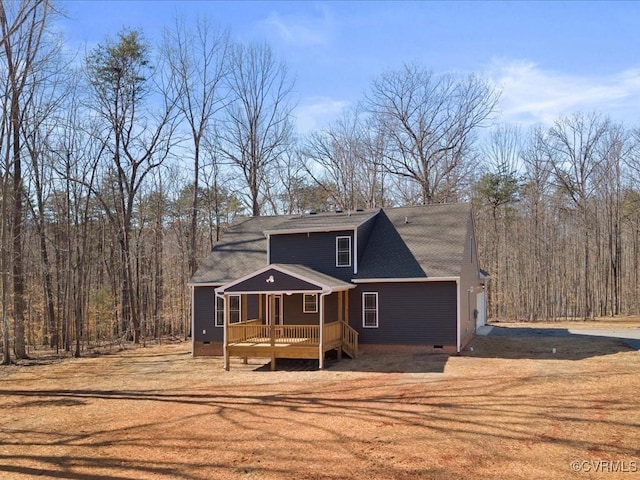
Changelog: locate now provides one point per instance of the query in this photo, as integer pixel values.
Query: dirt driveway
(507, 409)
(629, 335)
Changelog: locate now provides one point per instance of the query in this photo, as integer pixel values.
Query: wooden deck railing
(240, 332)
(253, 331)
(332, 332)
(349, 340)
(298, 334)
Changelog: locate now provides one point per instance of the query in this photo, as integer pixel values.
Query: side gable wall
(470, 286)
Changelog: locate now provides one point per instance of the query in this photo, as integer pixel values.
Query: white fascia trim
(343, 228)
(405, 280)
(275, 292)
(281, 269)
(204, 284)
(458, 340)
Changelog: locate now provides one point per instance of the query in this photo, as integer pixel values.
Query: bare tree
(257, 127)
(573, 149)
(4, 228)
(498, 189)
(198, 61)
(22, 25)
(342, 160)
(137, 142)
(430, 121)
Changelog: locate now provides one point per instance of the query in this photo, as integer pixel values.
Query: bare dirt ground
(508, 409)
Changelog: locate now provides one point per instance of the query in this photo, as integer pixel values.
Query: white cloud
(315, 113)
(531, 94)
(301, 31)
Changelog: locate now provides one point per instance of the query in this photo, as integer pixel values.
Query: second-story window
(343, 251)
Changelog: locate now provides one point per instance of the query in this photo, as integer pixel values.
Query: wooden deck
(254, 339)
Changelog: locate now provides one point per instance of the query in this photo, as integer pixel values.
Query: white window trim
(350, 250)
(216, 311)
(364, 294)
(304, 303)
(215, 319)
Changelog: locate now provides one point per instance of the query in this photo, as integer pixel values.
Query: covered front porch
(297, 313)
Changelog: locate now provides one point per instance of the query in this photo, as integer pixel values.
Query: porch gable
(272, 280)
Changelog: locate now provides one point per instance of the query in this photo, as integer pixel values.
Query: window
(370, 310)
(310, 303)
(219, 311)
(343, 251)
(234, 310)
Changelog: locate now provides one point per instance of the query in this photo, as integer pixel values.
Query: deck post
(321, 334)
(346, 307)
(272, 327)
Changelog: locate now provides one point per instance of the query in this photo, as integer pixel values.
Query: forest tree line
(121, 168)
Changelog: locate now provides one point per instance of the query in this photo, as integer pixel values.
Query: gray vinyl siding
(413, 313)
(293, 314)
(316, 250)
(252, 307)
(470, 286)
(204, 308)
(282, 282)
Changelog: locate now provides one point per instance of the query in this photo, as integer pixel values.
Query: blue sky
(548, 58)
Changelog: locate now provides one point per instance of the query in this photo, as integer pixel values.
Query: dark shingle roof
(323, 222)
(242, 249)
(325, 281)
(430, 244)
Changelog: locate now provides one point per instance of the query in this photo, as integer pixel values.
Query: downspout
(225, 321)
(458, 340)
(321, 332)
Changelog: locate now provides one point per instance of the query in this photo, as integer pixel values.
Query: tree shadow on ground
(502, 342)
(545, 344)
(439, 412)
(375, 363)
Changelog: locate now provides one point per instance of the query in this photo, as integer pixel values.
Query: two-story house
(298, 286)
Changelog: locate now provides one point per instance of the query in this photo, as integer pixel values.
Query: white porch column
(321, 333)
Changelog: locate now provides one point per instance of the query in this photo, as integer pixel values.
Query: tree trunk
(18, 268)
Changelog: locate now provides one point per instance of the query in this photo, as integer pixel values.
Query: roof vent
(406, 219)
(338, 210)
(359, 209)
(312, 212)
